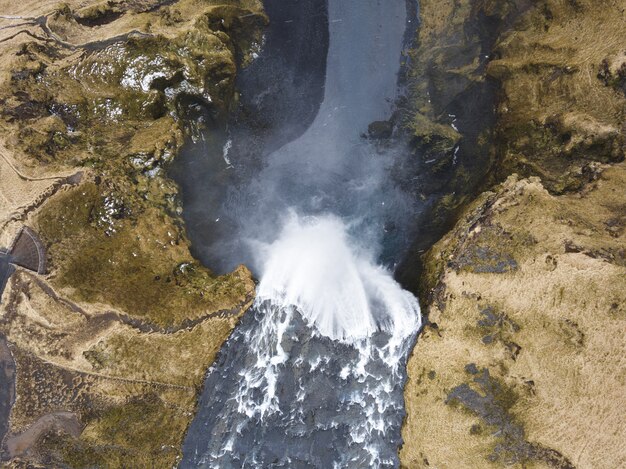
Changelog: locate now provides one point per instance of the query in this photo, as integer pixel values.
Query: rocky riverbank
(521, 364)
(111, 346)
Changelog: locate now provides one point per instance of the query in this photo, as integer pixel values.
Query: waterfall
(313, 375)
(317, 268)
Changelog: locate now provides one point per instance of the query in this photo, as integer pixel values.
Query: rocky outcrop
(111, 346)
(518, 365)
(560, 108)
(449, 111)
(518, 362)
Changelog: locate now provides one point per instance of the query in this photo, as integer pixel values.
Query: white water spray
(358, 327)
(317, 267)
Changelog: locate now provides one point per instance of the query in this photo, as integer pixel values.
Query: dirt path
(139, 324)
(21, 193)
(60, 421)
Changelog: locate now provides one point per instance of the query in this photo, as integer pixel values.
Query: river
(313, 374)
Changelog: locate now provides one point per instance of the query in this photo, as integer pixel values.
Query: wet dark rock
(616, 79)
(612, 255)
(513, 348)
(26, 110)
(453, 114)
(6, 270)
(380, 130)
(488, 339)
(483, 259)
(499, 328)
(492, 406)
(491, 402)
(492, 318)
(7, 387)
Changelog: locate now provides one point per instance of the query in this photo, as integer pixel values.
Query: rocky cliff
(520, 364)
(110, 346)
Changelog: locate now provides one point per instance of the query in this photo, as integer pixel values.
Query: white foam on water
(317, 271)
(317, 267)
(266, 344)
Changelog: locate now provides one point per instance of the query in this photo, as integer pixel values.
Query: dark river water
(7, 386)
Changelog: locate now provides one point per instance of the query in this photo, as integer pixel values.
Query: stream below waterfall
(313, 375)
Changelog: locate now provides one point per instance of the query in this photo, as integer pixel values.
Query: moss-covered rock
(450, 110)
(522, 295)
(119, 334)
(546, 330)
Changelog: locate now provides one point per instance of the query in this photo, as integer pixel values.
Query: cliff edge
(521, 363)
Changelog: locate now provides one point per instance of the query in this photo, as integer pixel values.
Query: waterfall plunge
(313, 375)
(320, 356)
(316, 266)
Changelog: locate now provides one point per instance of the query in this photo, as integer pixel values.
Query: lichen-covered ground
(111, 346)
(522, 361)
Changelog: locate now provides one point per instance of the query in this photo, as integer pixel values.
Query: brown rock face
(112, 340)
(561, 105)
(520, 364)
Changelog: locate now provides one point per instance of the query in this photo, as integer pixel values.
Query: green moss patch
(144, 432)
(104, 251)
